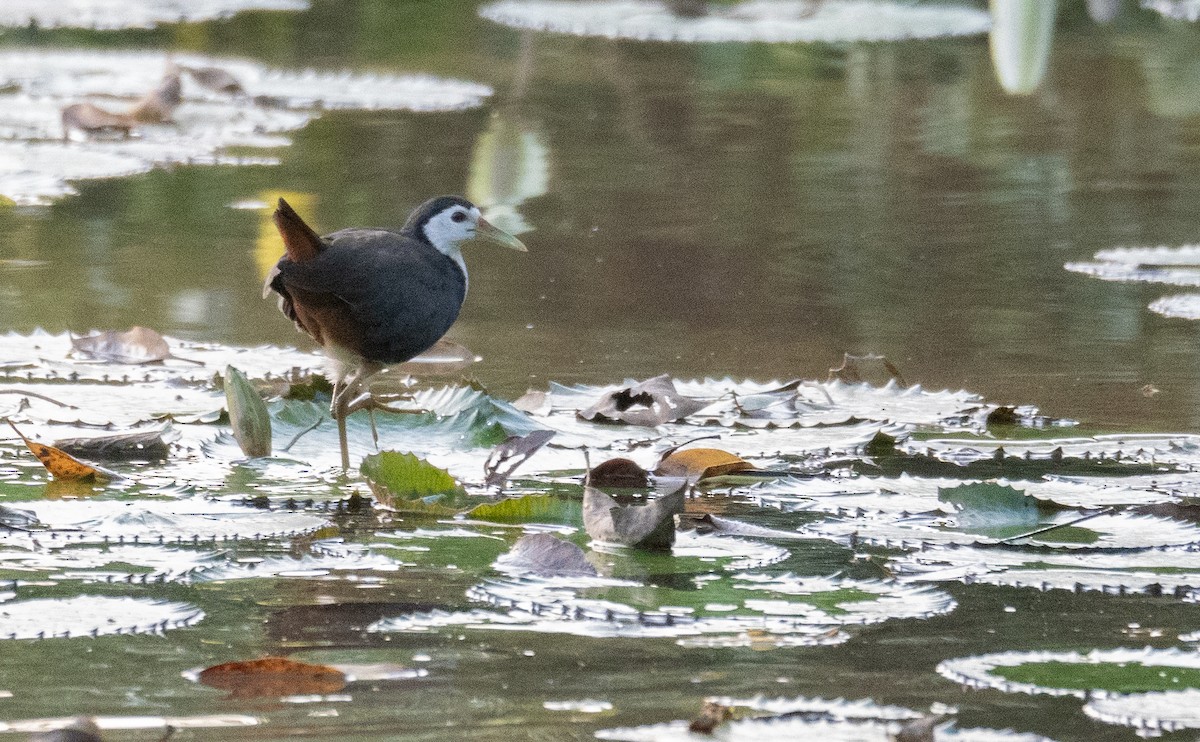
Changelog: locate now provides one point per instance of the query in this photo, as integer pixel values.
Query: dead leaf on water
(618, 472)
(712, 715)
(650, 403)
(695, 464)
(648, 526)
(510, 454)
(136, 345)
(141, 445)
(60, 464)
(273, 677)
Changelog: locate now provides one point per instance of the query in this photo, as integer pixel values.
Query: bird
(376, 297)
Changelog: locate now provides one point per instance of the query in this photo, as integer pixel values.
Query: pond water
(739, 210)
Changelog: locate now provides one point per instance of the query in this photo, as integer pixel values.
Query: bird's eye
(459, 216)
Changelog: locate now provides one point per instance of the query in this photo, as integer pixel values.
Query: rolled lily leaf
(247, 414)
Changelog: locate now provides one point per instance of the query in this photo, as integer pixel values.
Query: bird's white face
(450, 227)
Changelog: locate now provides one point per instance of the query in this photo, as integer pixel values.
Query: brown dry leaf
(854, 368)
(135, 345)
(651, 403)
(700, 463)
(93, 119)
(646, 526)
(141, 445)
(61, 464)
(514, 451)
(712, 715)
(273, 677)
(619, 472)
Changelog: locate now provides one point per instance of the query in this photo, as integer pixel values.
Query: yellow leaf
(61, 464)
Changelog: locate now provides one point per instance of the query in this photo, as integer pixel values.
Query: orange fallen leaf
(701, 463)
(61, 464)
(273, 676)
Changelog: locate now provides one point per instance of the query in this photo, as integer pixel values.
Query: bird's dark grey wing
(383, 295)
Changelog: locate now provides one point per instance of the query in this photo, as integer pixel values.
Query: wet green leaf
(405, 482)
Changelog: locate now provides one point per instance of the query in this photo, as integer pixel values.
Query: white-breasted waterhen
(376, 297)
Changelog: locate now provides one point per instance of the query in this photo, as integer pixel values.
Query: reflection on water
(752, 210)
(1020, 39)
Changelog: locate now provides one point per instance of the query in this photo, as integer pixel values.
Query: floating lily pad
(36, 84)
(114, 14)
(87, 615)
(813, 718)
(131, 564)
(1164, 711)
(1108, 531)
(757, 20)
(162, 522)
(1180, 306)
(1077, 674)
(139, 722)
(1148, 571)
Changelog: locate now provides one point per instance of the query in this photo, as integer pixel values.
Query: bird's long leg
(344, 394)
(337, 410)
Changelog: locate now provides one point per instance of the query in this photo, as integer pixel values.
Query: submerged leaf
(247, 414)
(273, 677)
(985, 506)
(528, 509)
(545, 554)
(648, 526)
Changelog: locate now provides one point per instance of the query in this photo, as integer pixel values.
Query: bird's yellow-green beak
(485, 231)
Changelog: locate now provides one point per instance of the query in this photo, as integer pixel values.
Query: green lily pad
(406, 483)
(1077, 674)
